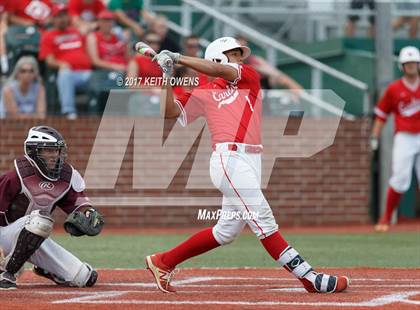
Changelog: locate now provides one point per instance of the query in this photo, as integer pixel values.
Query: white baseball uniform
(235, 164)
(403, 99)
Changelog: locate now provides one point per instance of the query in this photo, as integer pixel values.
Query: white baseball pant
(405, 156)
(50, 256)
(238, 176)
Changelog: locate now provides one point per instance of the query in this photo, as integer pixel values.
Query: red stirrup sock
(197, 244)
(392, 201)
(274, 245)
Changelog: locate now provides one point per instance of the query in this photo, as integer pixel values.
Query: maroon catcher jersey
(23, 190)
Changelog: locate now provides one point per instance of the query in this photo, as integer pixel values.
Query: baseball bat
(145, 50)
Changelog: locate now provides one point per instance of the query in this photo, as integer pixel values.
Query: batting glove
(374, 143)
(174, 56)
(166, 64)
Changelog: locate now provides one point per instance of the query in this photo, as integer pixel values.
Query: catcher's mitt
(88, 223)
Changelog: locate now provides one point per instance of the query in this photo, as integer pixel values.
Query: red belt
(251, 149)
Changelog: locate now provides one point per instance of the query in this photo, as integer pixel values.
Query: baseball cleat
(324, 283)
(7, 281)
(92, 279)
(43, 273)
(161, 273)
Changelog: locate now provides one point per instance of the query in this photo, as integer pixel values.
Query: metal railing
(294, 11)
(273, 46)
(318, 68)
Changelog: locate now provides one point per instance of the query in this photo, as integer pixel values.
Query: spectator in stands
(30, 13)
(63, 49)
(130, 14)
(4, 16)
(105, 49)
(141, 66)
(160, 27)
(84, 14)
(23, 96)
(411, 21)
(270, 76)
(351, 24)
(191, 46)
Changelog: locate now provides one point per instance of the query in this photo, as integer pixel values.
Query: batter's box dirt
(219, 289)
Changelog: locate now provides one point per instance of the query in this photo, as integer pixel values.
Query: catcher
(41, 181)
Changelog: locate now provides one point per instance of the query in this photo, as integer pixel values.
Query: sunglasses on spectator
(26, 71)
(193, 45)
(153, 41)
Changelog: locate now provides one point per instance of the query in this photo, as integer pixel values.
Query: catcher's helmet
(41, 138)
(216, 49)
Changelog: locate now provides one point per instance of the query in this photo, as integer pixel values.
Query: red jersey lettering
(67, 46)
(232, 109)
(32, 10)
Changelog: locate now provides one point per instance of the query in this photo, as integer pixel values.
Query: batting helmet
(409, 54)
(44, 137)
(216, 49)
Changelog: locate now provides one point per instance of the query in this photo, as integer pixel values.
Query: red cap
(105, 14)
(57, 9)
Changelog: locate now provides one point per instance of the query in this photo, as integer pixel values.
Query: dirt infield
(220, 289)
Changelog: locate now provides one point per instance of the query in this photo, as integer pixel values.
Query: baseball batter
(40, 181)
(402, 98)
(232, 107)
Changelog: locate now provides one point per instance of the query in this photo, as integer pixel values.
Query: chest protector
(42, 194)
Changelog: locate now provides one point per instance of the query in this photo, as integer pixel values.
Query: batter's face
(411, 68)
(234, 56)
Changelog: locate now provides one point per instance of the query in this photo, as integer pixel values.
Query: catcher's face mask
(52, 159)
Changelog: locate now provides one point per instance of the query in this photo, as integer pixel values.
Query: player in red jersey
(232, 107)
(401, 98)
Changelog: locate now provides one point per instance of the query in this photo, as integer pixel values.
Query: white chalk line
(196, 279)
(203, 282)
(200, 288)
(103, 297)
(376, 302)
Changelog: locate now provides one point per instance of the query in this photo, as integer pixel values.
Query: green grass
(321, 250)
